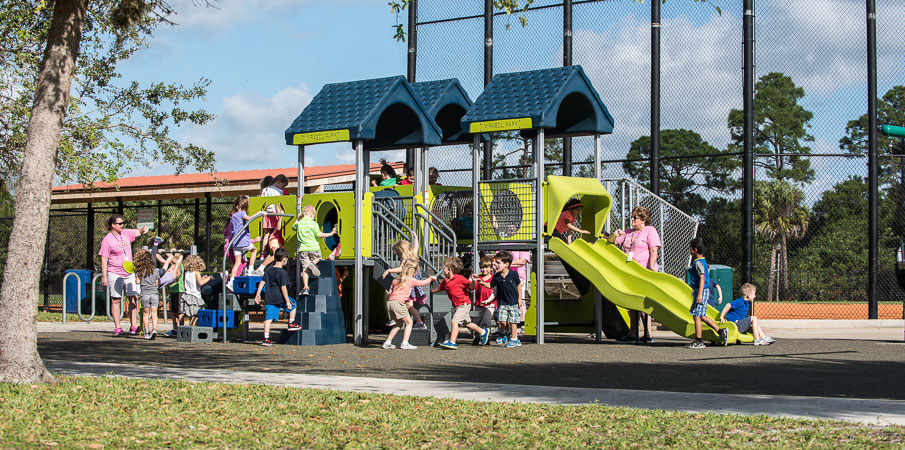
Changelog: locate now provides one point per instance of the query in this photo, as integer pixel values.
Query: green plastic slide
(631, 286)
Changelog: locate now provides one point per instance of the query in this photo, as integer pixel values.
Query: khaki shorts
(462, 315)
(306, 262)
(397, 310)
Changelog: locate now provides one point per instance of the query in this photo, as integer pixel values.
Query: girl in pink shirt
(397, 296)
(641, 243)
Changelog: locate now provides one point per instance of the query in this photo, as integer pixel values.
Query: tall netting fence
(810, 252)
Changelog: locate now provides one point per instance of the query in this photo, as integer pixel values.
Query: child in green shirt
(309, 250)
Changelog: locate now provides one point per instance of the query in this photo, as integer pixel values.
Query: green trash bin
(719, 275)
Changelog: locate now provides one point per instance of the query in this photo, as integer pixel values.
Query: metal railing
(438, 240)
(676, 228)
(508, 211)
(387, 229)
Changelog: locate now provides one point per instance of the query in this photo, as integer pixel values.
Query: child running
(736, 312)
(396, 298)
(191, 300)
(700, 295)
(485, 301)
(405, 251)
(509, 297)
(237, 219)
(456, 287)
(309, 250)
(277, 295)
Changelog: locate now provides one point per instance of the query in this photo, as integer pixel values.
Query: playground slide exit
(631, 286)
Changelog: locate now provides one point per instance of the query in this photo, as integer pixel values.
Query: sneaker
(695, 344)
(305, 291)
(760, 342)
(724, 336)
(229, 285)
(391, 323)
(152, 335)
(419, 326)
(147, 336)
(172, 333)
(626, 339)
(133, 330)
(118, 332)
(485, 337)
(514, 343)
(447, 344)
(388, 345)
(158, 240)
(769, 340)
(647, 340)
(407, 346)
(502, 340)
(294, 326)
(267, 343)
(476, 341)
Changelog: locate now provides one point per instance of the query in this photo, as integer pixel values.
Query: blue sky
(267, 58)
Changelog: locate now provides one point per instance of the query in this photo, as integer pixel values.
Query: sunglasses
(119, 223)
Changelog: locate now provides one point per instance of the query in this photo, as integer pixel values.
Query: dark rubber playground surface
(812, 367)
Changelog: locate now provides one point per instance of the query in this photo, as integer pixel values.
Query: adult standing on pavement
(641, 243)
(116, 253)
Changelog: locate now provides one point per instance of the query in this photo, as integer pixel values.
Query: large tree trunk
(19, 358)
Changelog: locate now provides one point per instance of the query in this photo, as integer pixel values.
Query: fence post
(567, 61)
(207, 226)
(89, 237)
(748, 153)
(655, 97)
(873, 167)
(46, 266)
(488, 75)
(197, 237)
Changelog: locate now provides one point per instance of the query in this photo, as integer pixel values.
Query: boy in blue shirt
(700, 295)
(509, 297)
(737, 312)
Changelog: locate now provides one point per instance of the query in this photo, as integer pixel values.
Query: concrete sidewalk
(879, 412)
(880, 330)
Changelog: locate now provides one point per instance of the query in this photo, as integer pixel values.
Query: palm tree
(779, 215)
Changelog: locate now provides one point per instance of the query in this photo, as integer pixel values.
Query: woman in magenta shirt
(641, 243)
(116, 249)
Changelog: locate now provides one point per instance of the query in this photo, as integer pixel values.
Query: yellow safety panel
(500, 125)
(319, 137)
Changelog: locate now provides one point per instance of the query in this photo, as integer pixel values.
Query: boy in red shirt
(566, 219)
(456, 287)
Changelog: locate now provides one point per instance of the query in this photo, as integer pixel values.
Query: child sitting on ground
(396, 298)
(406, 252)
(737, 312)
(566, 219)
(309, 250)
(509, 298)
(191, 302)
(277, 295)
(700, 295)
(456, 287)
(485, 301)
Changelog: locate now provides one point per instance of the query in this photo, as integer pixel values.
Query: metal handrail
(437, 221)
(78, 292)
(78, 308)
(387, 218)
(451, 244)
(229, 247)
(122, 308)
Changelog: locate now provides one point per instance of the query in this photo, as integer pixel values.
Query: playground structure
(511, 214)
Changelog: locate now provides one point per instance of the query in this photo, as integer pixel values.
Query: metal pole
(197, 236)
(89, 238)
(475, 202)
(416, 188)
(567, 61)
(300, 193)
(873, 167)
(361, 186)
(655, 97)
(207, 226)
(539, 220)
(748, 153)
(159, 218)
(488, 76)
(597, 156)
(412, 61)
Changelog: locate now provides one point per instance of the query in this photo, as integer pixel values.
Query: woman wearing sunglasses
(116, 255)
(641, 243)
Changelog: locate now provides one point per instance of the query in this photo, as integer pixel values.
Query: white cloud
(248, 130)
(226, 13)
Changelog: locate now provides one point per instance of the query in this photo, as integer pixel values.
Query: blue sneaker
(485, 337)
(172, 333)
(502, 340)
(447, 344)
(514, 343)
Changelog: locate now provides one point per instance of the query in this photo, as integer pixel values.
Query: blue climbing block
(207, 318)
(313, 337)
(321, 303)
(321, 320)
(246, 285)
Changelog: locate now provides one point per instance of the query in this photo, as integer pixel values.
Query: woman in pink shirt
(641, 243)
(116, 249)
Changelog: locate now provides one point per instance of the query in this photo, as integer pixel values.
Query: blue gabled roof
(561, 100)
(384, 111)
(446, 102)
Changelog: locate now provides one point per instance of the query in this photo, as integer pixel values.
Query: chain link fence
(810, 104)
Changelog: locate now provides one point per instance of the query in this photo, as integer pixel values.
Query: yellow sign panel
(319, 137)
(500, 125)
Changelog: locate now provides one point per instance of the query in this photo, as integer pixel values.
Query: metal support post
(89, 238)
(488, 76)
(567, 61)
(597, 156)
(300, 193)
(197, 236)
(207, 227)
(475, 201)
(361, 186)
(873, 166)
(748, 152)
(412, 60)
(655, 97)
(539, 220)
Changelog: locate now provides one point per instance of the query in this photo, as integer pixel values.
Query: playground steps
(319, 313)
(194, 334)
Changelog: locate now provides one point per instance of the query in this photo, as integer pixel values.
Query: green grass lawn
(118, 412)
(48, 316)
